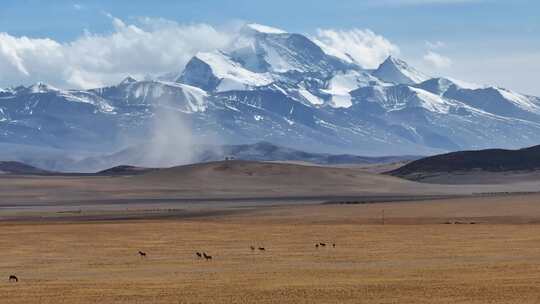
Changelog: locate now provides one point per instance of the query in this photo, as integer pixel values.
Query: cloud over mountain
(151, 46)
(148, 46)
(437, 60)
(363, 46)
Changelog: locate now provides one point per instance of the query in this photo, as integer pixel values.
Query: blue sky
(485, 41)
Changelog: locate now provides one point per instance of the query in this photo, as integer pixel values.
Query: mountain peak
(436, 85)
(395, 70)
(128, 80)
(394, 61)
(41, 87)
(264, 29)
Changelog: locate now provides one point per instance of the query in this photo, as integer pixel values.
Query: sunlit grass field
(399, 262)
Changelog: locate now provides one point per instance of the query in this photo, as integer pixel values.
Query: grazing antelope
(252, 248)
(207, 257)
(142, 254)
(199, 255)
(316, 245)
(322, 244)
(334, 245)
(262, 249)
(13, 278)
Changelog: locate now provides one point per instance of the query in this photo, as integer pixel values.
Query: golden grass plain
(413, 258)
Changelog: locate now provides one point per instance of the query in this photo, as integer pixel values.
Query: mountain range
(273, 86)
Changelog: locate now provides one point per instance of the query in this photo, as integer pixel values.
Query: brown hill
(483, 166)
(13, 167)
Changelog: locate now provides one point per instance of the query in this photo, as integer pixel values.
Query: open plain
(393, 243)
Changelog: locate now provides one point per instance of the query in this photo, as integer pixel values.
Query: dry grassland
(412, 259)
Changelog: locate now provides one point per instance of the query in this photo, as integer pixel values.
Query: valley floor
(415, 257)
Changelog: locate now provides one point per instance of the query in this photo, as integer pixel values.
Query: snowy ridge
(519, 100)
(343, 83)
(232, 74)
(41, 87)
(398, 71)
(84, 97)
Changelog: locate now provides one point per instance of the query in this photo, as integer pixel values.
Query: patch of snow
(41, 87)
(196, 98)
(326, 124)
(230, 107)
(431, 102)
(340, 86)
(314, 100)
(278, 63)
(290, 122)
(343, 83)
(341, 101)
(519, 100)
(233, 75)
(258, 117)
(280, 89)
(99, 102)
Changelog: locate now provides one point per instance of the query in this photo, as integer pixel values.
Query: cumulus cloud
(150, 47)
(437, 60)
(361, 46)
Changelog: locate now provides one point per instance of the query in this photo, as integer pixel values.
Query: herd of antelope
(199, 255)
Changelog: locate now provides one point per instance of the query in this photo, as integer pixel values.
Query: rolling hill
(465, 166)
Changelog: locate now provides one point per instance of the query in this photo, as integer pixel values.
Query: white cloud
(78, 6)
(434, 45)
(362, 46)
(151, 47)
(22, 57)
(437, 60)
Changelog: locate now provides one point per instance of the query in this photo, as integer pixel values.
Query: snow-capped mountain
(282, 88)
(395, 70)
